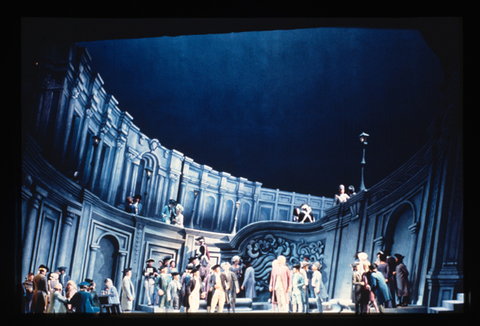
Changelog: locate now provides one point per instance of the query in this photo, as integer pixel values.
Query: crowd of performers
(383, 284)
(375, 285)
(218, 285)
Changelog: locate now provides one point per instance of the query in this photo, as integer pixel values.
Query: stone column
(91, 261)
(119, 270)
(96, 159)
(30, 230)
(129, 157)
(64, 240)
(116, 172)
(81, 147)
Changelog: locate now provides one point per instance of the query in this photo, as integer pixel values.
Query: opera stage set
(82, 155)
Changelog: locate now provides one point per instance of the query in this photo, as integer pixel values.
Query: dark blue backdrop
(284, 108)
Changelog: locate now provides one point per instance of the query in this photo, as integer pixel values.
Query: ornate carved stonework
(264, 250)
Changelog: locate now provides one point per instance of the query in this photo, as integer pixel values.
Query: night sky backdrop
(282, 107)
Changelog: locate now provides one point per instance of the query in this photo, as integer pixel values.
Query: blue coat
(379, 287)
(82, 302)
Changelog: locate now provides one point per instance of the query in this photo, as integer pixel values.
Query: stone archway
(105, 261)
(397, 233)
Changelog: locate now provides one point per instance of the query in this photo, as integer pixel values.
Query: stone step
(455, 305)
(438, 310)
(449, 306)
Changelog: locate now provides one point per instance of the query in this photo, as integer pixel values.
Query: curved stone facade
(82, 156)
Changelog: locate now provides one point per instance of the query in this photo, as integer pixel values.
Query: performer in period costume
(150, 273)
(174, 292)
(128, 292)
(233, 286)
(203, 256)
(187, 275)
(298, 292)
(357, 287)
(58, 303)
(303, 214)
(194, 291)
(28, 293)
(248, 284)
(82, 300)
(367, 294)
(401, 272)
(318, 287)
(392, 278)
(304, 270)
(219, 286)
(63, 278)
(341, 197)
(380, 288)
(113, 299)
(178, 219)
(168, 212)
(40, 291)
(280, 284)
(161, 286)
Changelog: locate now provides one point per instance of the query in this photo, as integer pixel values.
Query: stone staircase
(449, 306)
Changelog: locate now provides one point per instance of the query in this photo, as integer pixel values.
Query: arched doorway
(397, 234)
(105, 261)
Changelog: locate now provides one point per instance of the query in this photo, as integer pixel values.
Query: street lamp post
(237, 205)
(195, 194)
(149, 172)
(363, 139)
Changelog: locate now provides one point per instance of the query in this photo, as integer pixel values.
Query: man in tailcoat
(401, 272)
(40, 292)
(63, 278)
(233, 286)
(219, 286)
(174, 292)
(195, 291)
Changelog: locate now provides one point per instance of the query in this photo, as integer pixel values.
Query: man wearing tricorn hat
(307, 276)
(298, 281)
(402, 281)
(203, 257)
(174, 291)
(128, 292)
(150, 273)
(161, 284)
(219, 286)
(194, 291)
(82, 300)
(64, 278)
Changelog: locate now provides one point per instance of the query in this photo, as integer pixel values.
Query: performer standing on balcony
(303, 214)
(168, 212)
(341, 197)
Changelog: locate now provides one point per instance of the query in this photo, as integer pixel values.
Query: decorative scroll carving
(263, 251)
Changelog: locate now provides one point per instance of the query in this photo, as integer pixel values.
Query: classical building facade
(82, 156)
